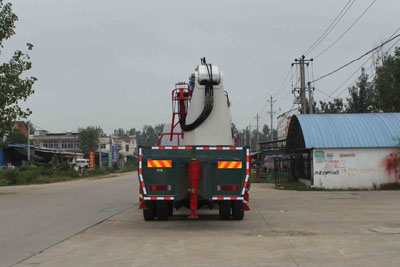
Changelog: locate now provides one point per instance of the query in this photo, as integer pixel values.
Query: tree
(361, 98)
(89, 138)
(336, 106)
(132, 132)
(13, 88)
(120, 133)
(149, 135)
(387, 83)
(16, 137)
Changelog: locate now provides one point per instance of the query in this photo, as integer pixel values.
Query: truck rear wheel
(170, 209)
(224, 209)
(162, 209)
(237, 210)
(150, 212)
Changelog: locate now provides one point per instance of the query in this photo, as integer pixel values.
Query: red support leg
(194, 176)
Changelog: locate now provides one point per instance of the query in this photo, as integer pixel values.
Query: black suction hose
(208, 103)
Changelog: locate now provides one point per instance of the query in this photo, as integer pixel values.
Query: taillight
(228, 188)
(159, 187)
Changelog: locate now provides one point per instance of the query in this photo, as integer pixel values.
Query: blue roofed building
(345, 150)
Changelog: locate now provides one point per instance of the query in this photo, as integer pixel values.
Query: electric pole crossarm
(302, 62)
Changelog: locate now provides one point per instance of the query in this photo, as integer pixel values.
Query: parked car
(82, 163)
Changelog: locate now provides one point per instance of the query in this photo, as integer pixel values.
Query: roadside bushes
(35, 175)
(43, 174)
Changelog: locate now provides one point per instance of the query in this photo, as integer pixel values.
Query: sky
(114, 63)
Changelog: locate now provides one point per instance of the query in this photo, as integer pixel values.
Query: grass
(302, 187)
(42, 175)
(390, 186)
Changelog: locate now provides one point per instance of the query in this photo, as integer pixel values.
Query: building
(69, 142)
(60, 141)
(345, 150)
(126, 146)
(21, 127)
(283, 122)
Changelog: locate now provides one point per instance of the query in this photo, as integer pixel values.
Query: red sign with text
(91, 159)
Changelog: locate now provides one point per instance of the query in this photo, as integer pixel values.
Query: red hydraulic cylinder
(194, 176)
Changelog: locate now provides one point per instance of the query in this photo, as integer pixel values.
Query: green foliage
(361, 98)
(89, 139)
(13, 88)
(16, 137)
(336, 106)
(379, 95)
(387, 83)
(390, 186)
(120, 133)
(147, 137)
(43, 174)
(35, 175)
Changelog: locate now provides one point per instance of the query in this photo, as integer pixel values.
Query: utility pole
(100, 154)
(250, 136)
(257, 117)
(310, 98)
(302, 62)
(271, 114)
(29, 142)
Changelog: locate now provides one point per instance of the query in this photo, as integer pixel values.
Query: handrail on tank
(171, 134)
(235, 136)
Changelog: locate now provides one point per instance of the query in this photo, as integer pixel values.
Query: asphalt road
(283, 228)
(34, 218)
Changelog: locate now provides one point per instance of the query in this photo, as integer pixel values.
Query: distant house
(21, 127)
(60, 141)
(126, 146)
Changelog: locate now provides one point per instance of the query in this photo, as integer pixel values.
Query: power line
(357, 59)
(343, 83)
(370, 67)
(287, 114)
(286, 95)
(283, 83)
(329, 96)
(330, 27)
(357, 70)
(348, 29)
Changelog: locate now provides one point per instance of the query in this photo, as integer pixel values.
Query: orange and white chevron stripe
(229, 164)
(159, 163)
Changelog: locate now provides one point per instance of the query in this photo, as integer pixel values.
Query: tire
(162, 210)
(150, 212)
(224, 209)
(237, 210)
(170, 209)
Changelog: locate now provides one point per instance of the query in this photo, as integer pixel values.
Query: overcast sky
(114, 63)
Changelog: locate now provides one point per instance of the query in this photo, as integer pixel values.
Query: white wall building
(345, 150)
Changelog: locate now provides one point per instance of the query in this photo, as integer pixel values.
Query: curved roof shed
(344, 130)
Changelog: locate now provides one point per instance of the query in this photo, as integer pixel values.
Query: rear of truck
(193, 177)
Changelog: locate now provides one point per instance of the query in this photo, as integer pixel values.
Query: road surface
(34, 218)
(283, 228)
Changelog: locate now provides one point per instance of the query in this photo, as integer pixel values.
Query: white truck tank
(216, 129)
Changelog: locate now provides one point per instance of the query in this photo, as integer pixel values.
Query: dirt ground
(283, 228)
